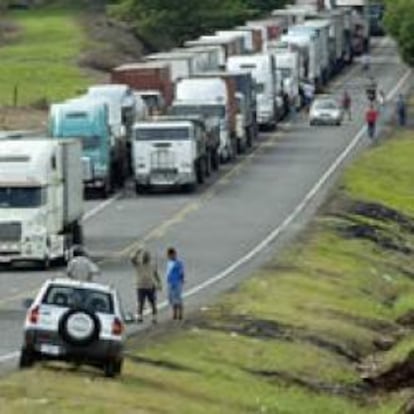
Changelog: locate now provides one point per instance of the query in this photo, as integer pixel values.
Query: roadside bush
(399, 21)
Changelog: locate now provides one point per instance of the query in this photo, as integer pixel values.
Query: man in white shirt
(80, 267)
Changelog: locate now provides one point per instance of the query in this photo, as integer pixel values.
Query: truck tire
(209, 167)
(199, 169)
(215, 159)
(77, 234)
(140, 189)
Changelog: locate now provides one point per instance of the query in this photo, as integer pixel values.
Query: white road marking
(102, 206)
(276, 232)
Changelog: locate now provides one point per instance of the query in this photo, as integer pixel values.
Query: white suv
(76, 322)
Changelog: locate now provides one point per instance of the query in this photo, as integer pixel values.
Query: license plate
(52, 350)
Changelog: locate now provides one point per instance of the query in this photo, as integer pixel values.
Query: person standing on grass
(147, 282)
(347, 104)
(401, 110)
(175, 281)
(371, 117)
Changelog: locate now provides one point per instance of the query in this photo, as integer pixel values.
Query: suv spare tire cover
(79, 327)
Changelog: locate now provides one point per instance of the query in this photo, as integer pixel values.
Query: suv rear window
(74, 297)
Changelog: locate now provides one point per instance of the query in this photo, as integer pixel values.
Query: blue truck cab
(87, 120)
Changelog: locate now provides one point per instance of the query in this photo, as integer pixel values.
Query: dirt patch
(9, 32)
(110, 43)
(383, 238)
(407, 320)
(270, 330)
(354, 391)
(382, 213)
(398, 377)
(22, 119)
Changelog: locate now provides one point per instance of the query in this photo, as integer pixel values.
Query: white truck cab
(41, 199)
(169, 152)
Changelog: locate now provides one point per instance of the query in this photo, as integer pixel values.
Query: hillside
(53, 52)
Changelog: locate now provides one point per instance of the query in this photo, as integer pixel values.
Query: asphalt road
(229, 226)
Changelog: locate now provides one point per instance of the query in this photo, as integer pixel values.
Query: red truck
(146, 77)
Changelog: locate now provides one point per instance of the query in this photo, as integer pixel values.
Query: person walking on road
(401, 110)
(175, 280)
(309, 93)
(80, 267)
(347, 104)
(147, 282)
(371, 117)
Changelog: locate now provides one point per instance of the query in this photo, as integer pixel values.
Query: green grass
(377, 173)
(42, 61)
(326, 298)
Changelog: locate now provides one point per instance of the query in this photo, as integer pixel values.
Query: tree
(399, 21)
(164, 23)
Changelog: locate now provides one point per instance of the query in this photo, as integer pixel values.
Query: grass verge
(298, 337)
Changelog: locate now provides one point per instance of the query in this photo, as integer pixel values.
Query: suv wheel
(79, 327)
(112, 368)
(27, 359)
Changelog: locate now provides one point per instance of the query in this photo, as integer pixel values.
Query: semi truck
(41, 199)
(183, 63)
(246, 115)
(262, 68)
(153, 78)
(102, 154)
(288, 69)
(170, 152)
(218, 91)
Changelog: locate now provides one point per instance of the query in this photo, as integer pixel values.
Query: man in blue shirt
(175, 282)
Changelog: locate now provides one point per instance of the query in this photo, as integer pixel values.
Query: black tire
(207, 162)
(45, 264)
(65, 335)
(112, 368)
(215, 160)
(77, 234)
(27, 359)
(199, 171)
(140, 189)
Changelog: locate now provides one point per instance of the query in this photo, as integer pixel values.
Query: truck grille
(10, 232)
(163, 161)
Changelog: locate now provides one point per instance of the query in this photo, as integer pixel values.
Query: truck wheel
(199, 171)
(45, 263)
(140, 189)
(215, 160)
(77, 234)
(207, 162)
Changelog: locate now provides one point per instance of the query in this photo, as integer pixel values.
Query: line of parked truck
(168, 120)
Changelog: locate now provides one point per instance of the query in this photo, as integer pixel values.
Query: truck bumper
(98, 182)
(161, 179)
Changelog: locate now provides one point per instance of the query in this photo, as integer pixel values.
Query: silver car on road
(325, 111)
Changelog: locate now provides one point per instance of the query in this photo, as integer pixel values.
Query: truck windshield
(21, 197)
(206, 111)
(162, 134)
(90, 143)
